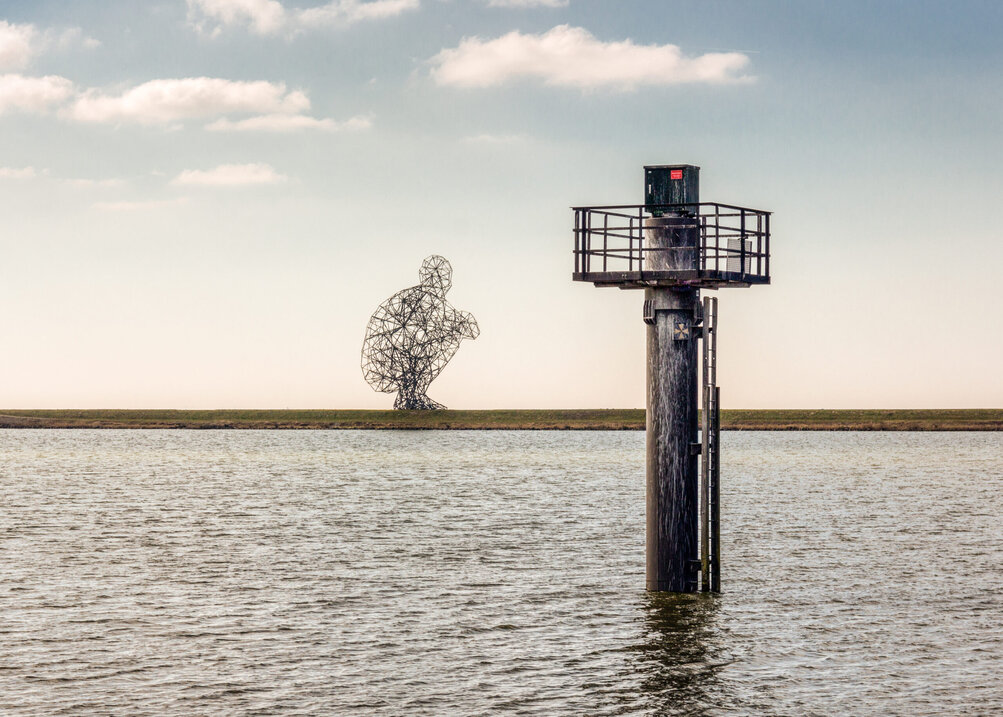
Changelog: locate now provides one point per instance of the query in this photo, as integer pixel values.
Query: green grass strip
(591, 419)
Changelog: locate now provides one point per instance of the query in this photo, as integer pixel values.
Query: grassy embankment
(605, 419)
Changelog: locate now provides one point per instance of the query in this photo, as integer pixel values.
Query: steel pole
(672, 479)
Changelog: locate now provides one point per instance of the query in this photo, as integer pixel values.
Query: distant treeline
(592, 419)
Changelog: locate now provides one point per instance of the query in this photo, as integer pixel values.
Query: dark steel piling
(672, 448)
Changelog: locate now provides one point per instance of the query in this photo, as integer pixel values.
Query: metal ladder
(710, 454)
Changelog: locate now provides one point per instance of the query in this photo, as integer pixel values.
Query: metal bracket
(648, 313)
(696, 449)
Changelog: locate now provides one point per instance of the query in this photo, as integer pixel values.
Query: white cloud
(139, 206)
(16, 45)
(166, 101)
(31, 173)
(495, 139)
(573, 57)
(230, 175)
(269, 17)
(94, 183)
(346, 12)
(273, 107)
(288, 123)
(11, 173)
(527, 3)
(32, 94)
(263, 16)
(71, 38)
(19, 44)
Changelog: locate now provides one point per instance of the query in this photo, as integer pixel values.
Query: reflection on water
(679, 658)
(471, 573)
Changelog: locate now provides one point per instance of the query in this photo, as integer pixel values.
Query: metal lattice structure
(413, 335)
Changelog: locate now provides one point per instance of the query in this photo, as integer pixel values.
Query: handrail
(734, 207)
(612, 245)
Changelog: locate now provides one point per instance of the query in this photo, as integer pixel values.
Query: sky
(203, 201)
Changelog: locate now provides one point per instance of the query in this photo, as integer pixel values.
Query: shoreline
(542, 420)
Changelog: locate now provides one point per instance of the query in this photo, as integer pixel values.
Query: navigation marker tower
(672, 246)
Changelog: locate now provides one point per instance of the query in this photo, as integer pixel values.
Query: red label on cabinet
(675, 174)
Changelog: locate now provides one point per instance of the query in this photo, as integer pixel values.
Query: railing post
(630, 244)
(605, 238)
(741, 245)
(767, 246)
(640, 239)
(578, 242)
(702, 262)
(717, 238)
(759, 244)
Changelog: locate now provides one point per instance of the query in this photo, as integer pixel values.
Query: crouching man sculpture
(413, 335)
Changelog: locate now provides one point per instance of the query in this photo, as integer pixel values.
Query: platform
(612, 249)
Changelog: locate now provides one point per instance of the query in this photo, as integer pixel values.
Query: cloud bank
(270, 17)
(273, 107)
(572, 57)
(288, 123)
(15, 173)
(20, 44)
(17, 45)
(527, 3)
(127, 206)
(165, 101)
(33, 94)
(495, 139)
(230, 175)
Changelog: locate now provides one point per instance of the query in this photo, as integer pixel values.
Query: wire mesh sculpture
(413, 335)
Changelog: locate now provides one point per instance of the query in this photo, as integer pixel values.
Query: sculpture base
(416, 403)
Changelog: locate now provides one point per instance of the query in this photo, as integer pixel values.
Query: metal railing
(733, 245)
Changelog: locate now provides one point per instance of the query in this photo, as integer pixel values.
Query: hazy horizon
(203, 201)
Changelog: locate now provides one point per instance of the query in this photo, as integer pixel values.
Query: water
(470, 573)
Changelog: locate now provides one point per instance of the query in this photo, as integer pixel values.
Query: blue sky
(203, 201)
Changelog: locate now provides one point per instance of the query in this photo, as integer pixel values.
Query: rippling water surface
(469, 573)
